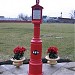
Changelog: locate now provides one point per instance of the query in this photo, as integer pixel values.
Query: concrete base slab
(58, 69)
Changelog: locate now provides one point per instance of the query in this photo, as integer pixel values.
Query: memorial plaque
(36, 14)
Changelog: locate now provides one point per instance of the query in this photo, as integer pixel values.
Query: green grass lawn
(57, 34)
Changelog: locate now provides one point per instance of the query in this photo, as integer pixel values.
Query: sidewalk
(58, 69)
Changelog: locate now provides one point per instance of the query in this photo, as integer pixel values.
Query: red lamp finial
(37, 1)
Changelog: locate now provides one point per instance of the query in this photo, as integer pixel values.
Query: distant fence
(66, 20)
(61, 20)
(14, 21)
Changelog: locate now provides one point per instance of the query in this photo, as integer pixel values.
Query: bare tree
(23, 17)
(72, 14)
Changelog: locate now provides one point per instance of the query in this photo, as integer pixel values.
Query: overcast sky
(11, 8)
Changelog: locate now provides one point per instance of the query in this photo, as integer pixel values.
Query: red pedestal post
(35, 63)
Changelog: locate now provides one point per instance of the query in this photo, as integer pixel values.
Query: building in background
(1, 16)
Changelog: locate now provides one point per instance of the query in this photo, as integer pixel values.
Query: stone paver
(2, 70)
(58, 69)
(70, 64)
(64, 71)
(23, 70)
(48, 69)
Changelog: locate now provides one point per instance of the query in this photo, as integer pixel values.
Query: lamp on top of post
(37, 12)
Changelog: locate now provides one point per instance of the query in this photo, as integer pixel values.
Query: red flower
(52, 49)
(19, 50)
(22, 50)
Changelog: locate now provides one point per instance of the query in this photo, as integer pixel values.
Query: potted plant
(18, 56)
(52, 56)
